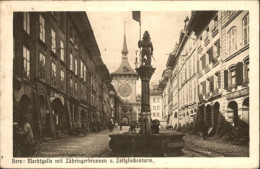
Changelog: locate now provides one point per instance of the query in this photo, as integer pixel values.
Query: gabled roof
(124, 69)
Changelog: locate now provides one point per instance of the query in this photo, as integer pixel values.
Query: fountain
(145, 143)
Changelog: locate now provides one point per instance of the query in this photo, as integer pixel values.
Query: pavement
(97, 145)
(195, 146)
(92, 145)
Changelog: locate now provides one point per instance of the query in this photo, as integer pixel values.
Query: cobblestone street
(195, 146)
(96, 145)
(92, 145)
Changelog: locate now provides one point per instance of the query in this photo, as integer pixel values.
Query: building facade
(156, 105)
(212, 65)
(59, 79)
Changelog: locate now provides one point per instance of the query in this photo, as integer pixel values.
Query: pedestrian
(121, 126)
(205, 131)
(111, 125)
(26, 137)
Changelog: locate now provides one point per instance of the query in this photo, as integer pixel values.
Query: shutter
(239, 73)
(218, 47)
(204, 87)
(219, 79)
(225, 79)
(210, 54)
(212, 83)
(203, 61)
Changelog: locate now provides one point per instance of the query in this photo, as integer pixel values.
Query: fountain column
(145, 73)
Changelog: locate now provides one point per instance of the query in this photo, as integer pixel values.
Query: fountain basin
(152, 145)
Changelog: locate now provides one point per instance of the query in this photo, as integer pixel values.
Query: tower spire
(124, 50)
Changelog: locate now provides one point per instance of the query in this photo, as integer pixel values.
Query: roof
(124, 68)
(124, 50)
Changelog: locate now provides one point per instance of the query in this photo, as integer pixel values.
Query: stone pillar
(145, 72)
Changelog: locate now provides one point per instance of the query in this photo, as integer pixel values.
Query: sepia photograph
(130, 86)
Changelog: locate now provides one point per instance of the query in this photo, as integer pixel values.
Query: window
(71, 35)
(76, 41)
(158, 99)
(71, 61)
(153, 114)
(62, 51)
(81, 69)
(216, 77)
(232, 47)
(158, 107)
(76, 88)
(26, 22)
(216, 49)
(154, 107)
(154, 100)
(203, 62)
(53, 41)
(233, 76)
(246, 30)
(42, 28)
(76, 66)
(158, 114)
(85, 72)
(42, 67)
(210, 54)
(71, 85)
(53, 74)
(62, 79)
(26, 62)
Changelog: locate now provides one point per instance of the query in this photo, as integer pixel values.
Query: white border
(6, 20)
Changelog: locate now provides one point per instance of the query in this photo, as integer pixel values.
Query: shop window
(26, 22)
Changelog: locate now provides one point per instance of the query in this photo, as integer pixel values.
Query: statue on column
(147, 49)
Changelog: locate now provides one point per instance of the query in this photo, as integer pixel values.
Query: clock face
(125, 90)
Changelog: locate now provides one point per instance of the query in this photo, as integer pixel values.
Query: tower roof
(124, 68)
(124, 50)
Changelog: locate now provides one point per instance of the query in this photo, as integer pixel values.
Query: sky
(163, 26)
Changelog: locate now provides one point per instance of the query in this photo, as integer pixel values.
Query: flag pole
(140, 28)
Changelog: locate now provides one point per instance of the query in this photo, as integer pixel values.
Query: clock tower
(124, 80)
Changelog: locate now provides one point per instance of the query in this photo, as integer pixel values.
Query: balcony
(206, 42)
(214, 31)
